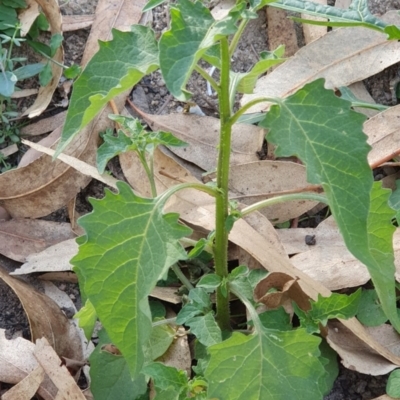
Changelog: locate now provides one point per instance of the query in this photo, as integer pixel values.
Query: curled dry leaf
(358, 357)
(20, 238)
(51, 10)
(28, 15)
(26, 388)
(344, 62)
(18, 361)
(254, 181)
(202, 135)
(46, 319)
(75, 22)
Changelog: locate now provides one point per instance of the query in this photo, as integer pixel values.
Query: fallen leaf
(54, 258)
(46, 319)
(45, 125)
(221, 10)
(28, 15)
(202, 134)
(59, 375)
(7, 151)
(314, 32)
(256, 181)
(344, 62)
(26, 388)
(18, 361)
(24, 93)
(281, 30)
(356, 355)
(20, 238)
(76, 22)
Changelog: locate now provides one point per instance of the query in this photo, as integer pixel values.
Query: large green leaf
(129, 246)
(117, 66)
(327, 136)
(193, 31)
(269, 365)
(110, 377)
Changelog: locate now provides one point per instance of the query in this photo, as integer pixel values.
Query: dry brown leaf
(119, 14)
(314, 32)
(202, 135)
(167, 294)
(62, 379)
(54, 258)
(281, 30)
(18, 361)
(344, 62)
(26, 388)
(28, 15)
(383, 131)
(75, 163)
(4, 215)
(59, 277)
(358, 357)
(7, 151)
(46, 319)
(45, 125)
(221, 10)
(75, 22)
(20, 238)
(24, 93)
(252, 182)
(51, 10)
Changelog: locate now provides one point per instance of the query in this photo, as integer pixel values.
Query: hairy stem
(222, 209)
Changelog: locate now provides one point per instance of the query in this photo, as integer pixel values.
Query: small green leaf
(167, 379)
(274, 366)
(393, 384)
(152, 4)
(129, 245)
(277, 319)
(39, 47)
(209, 281)
(193, 31)
(7, 83)
(157, 309)
(27, 71)
(73, 71)
(87, 319)
(205, 328)
(347, 94)
(45, 75)
(110, 376)
(55, 43)
(238, 271)
(161, 339)
(370, 311)
(117, 66)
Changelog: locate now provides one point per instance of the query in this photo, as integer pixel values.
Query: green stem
(149, 172)
(165, 322)
(181, 276)
(281, 199)
(248, 105)
(222, 206)
(207, 77)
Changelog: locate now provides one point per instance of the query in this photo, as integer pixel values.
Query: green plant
(130, 243)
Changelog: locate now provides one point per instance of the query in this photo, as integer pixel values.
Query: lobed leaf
(118, 65)
(270, 365)
(327, 136)
(129, 246)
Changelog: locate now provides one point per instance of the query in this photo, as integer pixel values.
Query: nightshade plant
(130, 243)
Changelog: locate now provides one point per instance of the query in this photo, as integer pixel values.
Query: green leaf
(87, 319)
(73, 71)
(325, 308)
(330, 361)
(110, 378)
(277, 319)
(370, 311)
(161, 339)
(394, 201)
(166, 377)
(46, 74)
(199, 303)
(39, 47)
(193, 31)
(27, 71)
(8, 14)
(268, 59)
(209, 281)
(7, 83)
(205, 328)
(269, 365)
(14, 3)
(55, 43)
(347, 94)
(129, 245)
(327, 136)
(357, 14)
(152, 4)
(393, 384)
(117, 66)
